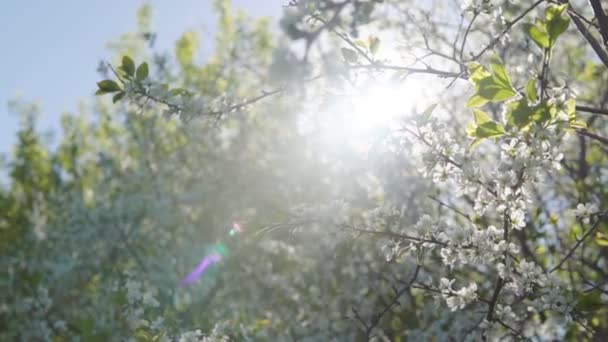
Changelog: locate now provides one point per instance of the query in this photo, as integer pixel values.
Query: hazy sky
(51, 48)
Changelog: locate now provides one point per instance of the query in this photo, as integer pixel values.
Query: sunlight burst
(363, 114)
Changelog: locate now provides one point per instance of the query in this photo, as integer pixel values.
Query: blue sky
(51, 48)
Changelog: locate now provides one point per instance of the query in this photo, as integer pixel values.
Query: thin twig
(456, 210)
(576, 245)
(466, 34)
(507, 29)
(378, 318)
(427, 70)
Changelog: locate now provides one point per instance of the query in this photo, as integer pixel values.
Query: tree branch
(427, 70)
(378, 317)
(599, 50)
(577, 244)
(602, 19)
(592, 136)
(592, 110)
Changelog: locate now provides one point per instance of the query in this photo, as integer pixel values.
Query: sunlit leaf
(520, 114)
(555, 11)
(539, 36)
(577, 124)
(500, 74)
(490, 87)
(531, 93)
(490, 129)
(374, 44)
(483, 128)
(477, 72)
(493, 91)
(476, 101)
(556, 22)
(361, 43)
(481, 117)
(601, 239)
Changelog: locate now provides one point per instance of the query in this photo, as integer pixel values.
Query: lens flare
(200, 269)
(215, 256)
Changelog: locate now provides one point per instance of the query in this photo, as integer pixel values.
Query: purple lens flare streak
(202, 266)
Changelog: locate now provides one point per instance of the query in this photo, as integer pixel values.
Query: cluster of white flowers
(38, 305)
(142, 302)
(500, 190)
(457, 299)
(35, 311)
(476, 6)
(198, 336)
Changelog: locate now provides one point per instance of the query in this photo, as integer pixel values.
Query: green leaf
(492, 91)
(425, 116)
(556, 28)
(531, 93)
(107, 86)
(545, 32)
(490, 87)
(186, 47)
(481, 117)
(490, 129)
(128, 66)
(500, 74)
(374, 44)
(142, 71)
(521, 114)
(471, 130)
(555, 11)
(478, 72)
(601, 239)
(556, 22)
(179, 92)
(570, 107)
(475, 143)
(544, 112)
(538, 35)
(476, 101)
(577, 124)
(118, 96)
(349, 55)
(143, 336)
(483, 128)
(361, 43)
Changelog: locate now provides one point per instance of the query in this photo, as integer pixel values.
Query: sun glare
(357, 117)
(380, 106)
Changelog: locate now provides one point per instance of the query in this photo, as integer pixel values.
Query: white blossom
(584, 211)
